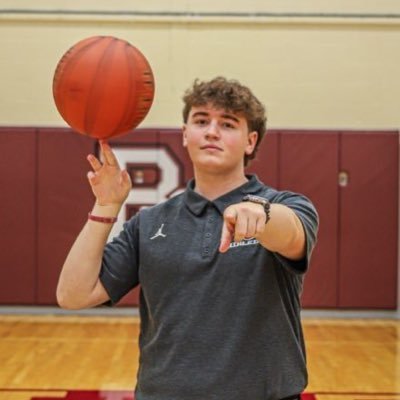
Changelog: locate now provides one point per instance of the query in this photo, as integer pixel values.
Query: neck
(212, 186)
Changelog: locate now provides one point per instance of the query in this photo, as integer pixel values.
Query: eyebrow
(225, 116)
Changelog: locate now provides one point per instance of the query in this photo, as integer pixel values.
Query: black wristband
(259, 200)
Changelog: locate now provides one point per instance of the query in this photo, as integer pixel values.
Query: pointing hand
(241, 221)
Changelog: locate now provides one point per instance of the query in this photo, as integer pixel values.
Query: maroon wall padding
(369, 220)
(308, 165)
(17, 216)
(46, 197)
(265, 165)
(139, 136)
(64, 200)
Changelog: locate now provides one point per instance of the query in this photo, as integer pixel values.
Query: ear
(251, 142)
(184, 136)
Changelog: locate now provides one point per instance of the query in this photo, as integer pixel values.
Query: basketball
(103, 87)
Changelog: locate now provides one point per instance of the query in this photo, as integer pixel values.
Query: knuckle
(230, 212)
(238, 238)
(259, 230)
(251, 232)
(261, 216)
(240, 234)
(227, 210)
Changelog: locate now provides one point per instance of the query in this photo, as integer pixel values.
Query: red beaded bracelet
(104, 220)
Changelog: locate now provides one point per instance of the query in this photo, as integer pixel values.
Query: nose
(212, 130)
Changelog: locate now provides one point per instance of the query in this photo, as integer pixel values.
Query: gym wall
(331, 65)
(319, 68)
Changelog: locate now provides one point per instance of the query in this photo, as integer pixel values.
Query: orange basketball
(103, 87)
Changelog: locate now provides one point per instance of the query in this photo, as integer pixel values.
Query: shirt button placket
(208, 236)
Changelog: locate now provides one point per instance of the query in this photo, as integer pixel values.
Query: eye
(228, 125)
(200, 121)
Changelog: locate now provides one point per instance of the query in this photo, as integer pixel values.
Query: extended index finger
(227, 230)
(108, 154)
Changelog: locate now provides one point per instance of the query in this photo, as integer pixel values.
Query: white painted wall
(328, 65)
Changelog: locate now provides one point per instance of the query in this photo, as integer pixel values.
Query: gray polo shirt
(213, 326)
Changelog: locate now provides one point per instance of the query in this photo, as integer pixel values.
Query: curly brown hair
(231, 96)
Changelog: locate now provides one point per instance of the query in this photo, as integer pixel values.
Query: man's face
(216, 139)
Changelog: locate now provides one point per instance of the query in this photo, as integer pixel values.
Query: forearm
(80, 272)
(284, 233)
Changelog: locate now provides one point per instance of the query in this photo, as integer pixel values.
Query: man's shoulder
(272, 193)
(283, 196)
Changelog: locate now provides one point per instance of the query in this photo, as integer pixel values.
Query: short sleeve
(309, 218)
(119, 269)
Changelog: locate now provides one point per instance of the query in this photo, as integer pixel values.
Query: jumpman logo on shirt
(159, 233)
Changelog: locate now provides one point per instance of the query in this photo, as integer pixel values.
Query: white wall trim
(200, 17)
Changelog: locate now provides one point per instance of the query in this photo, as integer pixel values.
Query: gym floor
(89, 357)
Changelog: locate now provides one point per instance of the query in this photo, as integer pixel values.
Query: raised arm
(79, 285)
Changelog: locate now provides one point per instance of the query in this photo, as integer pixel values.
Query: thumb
(227, 231)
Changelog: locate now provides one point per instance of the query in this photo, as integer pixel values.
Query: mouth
(210, 147)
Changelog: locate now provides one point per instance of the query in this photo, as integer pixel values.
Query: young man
(220, 266)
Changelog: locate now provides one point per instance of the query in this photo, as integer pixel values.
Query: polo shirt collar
(197, 203)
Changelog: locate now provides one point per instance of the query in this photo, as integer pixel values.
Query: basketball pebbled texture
(103, 87)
